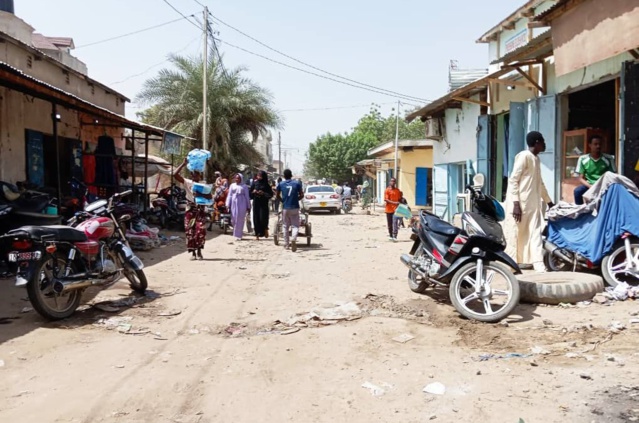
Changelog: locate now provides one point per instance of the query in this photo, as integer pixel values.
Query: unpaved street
(204, 346)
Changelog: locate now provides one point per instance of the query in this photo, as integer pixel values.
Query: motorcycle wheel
(225, 228)
(416, 282)
(555, 264)
(479, 307)
(137, 280)
(44, 300)
(613, 266)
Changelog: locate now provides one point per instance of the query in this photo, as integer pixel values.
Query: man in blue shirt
(290, 193)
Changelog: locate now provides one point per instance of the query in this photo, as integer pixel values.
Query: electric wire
(312, 66)
(402, 97)
(132, 33)
(182, 14)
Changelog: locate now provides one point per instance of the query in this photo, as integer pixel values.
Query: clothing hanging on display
(105, 174)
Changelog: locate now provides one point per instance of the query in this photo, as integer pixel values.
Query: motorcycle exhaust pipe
(556, 251)
(407, 260)
(60, 287)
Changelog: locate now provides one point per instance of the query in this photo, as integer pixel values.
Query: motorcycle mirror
(479, 180)
(125, 218)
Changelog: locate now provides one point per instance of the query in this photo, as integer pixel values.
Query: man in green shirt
(591, 167)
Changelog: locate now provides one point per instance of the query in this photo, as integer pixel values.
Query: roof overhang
(525, 11)
(462, 94)
(390, 145)
(538, 48)
(17, 80)
(561, 7)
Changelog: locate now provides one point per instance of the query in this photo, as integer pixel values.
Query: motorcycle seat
(53, 232)
(439, 226)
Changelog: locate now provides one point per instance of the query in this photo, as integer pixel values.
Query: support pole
(56, 138)
(279, 153)
(133, 161)
(205, 139)
(395, 175)
(146, 171)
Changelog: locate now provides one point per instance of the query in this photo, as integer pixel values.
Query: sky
(403, 46)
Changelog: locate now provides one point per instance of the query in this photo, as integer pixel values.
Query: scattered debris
(622, 292)
(26, 310)
(585, 376)
(403, 338)
(539, 351)
(170, 313)
(105, 307)
(616, 327)
(235, 329)
(290, 331)
(600, 299)
(486, 357)
(435, 388)
(375, 390)
(124, 327)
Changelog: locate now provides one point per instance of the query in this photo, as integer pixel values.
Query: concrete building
(415, 170)
(264, 144)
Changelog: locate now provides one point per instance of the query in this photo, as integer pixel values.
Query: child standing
(399, 220)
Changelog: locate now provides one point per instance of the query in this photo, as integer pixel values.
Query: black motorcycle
(471, 260)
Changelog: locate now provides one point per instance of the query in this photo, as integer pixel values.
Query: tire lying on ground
(559, 287)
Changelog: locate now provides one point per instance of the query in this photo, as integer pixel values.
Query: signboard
(171, 143)
(520, 39)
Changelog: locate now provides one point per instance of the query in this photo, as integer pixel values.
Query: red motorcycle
(62, 265)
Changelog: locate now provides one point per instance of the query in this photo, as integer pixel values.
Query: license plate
(323, 204)
(28, 256)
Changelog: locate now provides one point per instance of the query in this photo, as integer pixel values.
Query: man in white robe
(525, 201)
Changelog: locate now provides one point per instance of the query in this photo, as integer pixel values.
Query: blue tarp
(593, 237)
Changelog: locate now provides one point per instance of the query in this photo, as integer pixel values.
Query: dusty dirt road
(204, 346)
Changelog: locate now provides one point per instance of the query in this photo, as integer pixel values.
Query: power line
(335, 108)
(182, 14)
(402, 97)
(156, 65)
(133, 33)
(312, 66)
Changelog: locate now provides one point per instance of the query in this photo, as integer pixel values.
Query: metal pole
(133, 161)
(146, 170)
(205, 139)
(279, 148)
(395, 175)
(54, 117)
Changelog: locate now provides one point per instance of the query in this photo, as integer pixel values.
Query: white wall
(460, 140)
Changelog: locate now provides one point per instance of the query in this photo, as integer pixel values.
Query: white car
(322, 197)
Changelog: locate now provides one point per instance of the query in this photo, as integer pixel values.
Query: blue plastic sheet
(594, 237)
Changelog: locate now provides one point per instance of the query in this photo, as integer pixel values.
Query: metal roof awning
(459, 95)
(561, 7)
(17, 80)
(538, 48)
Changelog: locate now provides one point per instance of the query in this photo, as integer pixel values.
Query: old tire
(559, 287)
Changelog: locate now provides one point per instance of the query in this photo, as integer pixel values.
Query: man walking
(290, 193)
(525, 200)
(591, 167)
(392, 195)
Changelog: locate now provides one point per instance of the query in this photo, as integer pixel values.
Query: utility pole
(205, 59)
(279, 148)
(395, 175)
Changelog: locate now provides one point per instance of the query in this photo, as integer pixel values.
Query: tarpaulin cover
(593, 237)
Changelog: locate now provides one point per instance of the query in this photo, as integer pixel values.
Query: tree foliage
(332, 156)
(238, 109)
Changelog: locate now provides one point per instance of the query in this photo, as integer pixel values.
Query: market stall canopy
(155, 165)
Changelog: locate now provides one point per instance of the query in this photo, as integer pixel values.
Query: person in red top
(392, 195)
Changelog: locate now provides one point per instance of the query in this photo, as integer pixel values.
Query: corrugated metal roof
(457, 78)
(552, 10)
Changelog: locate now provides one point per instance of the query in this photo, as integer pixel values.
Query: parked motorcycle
(59, 265)
(169, 207)
(219, 216)
(471, 260)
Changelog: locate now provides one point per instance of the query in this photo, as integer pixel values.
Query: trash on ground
(622, 292)
(329, 315)
(585, 376)
(290, 331)
(235, 329)
(486, 357)
(105, 307)
(539, 351)
(120, 323)
(403, 338)
(435, 388)
(170, 313)
(26, 310)
(375, 390)
(124, 327)
(616, 327)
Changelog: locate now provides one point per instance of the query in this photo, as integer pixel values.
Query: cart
(304, 232)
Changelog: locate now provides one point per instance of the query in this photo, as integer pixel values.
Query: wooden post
(146, 171)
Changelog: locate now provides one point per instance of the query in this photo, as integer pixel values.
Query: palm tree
(238, 109)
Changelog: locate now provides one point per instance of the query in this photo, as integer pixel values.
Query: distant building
(263, 144)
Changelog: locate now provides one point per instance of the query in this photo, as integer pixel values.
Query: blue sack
(197, 160)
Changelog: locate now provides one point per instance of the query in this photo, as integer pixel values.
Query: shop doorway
(592, 111)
